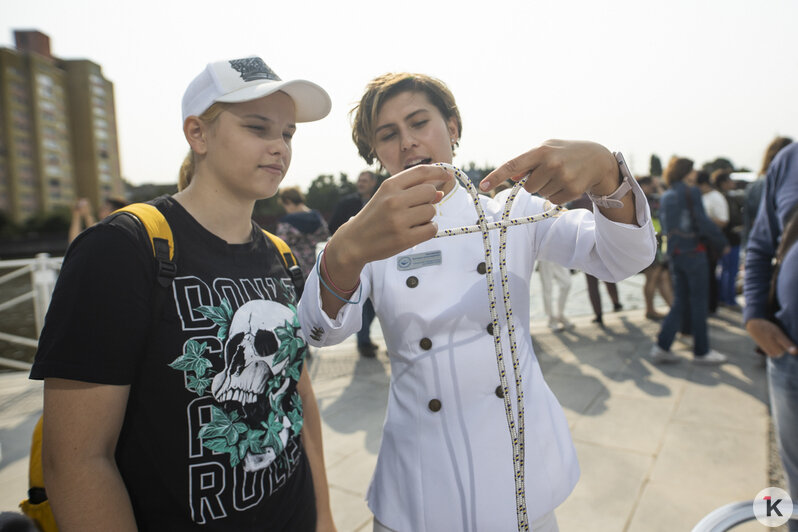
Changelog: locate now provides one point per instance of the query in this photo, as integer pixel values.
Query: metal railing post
(43, 280)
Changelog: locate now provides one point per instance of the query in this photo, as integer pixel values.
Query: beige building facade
(58, 138)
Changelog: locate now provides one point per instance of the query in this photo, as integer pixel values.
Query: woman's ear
(451, 127)
(194, 130)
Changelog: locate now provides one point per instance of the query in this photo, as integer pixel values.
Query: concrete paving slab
(353, 474)
(628, 423)
(666, 508)
(694, 458)
(576, 393)
(607, 492)
(351, 512)
(722, 404)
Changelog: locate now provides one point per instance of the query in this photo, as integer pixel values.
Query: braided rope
(516, 432)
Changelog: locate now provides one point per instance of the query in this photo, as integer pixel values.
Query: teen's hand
(561, 170)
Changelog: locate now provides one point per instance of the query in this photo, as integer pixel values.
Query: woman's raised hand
(397, 217)
(561, 170)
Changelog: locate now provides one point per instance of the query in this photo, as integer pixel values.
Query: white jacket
(445, 462)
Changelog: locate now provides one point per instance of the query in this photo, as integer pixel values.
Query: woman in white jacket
(447, 460)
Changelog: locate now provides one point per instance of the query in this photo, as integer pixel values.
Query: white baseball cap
(242, 80)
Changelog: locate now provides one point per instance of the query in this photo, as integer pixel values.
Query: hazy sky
(690, 77)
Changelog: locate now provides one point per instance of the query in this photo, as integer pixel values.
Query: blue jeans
(783, 383)
(730, 265)
(690, 293)
(363, 337)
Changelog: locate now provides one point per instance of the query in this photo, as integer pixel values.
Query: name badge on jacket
(419, 260)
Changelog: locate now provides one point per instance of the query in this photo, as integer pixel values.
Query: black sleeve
(97, 324)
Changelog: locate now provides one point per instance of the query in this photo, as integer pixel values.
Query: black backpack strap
(158, 231)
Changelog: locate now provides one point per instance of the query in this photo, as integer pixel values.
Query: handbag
(708, 234)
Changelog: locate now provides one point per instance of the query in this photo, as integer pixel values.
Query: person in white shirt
(445, 461)
(715, 205)
(717, 210)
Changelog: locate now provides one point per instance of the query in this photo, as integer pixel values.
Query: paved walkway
(659, 446)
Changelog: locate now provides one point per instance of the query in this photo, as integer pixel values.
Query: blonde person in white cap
(447, 460)
(185, 404)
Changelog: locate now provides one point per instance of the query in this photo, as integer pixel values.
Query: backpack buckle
(298, 278)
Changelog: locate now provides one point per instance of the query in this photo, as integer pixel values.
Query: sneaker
(567, 324)
(660, 356)
(555, 325)
(711, 358)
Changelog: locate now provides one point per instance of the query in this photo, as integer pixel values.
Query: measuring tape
(483, 226)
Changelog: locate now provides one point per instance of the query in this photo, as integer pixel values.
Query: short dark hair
(702, 178)
(381, 89)
(720, 176)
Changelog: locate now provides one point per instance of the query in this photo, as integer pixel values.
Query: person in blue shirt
(753, 192)
(683, 219)
(776, 333)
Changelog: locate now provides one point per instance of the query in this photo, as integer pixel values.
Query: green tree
(655, 166)
(53, 222)
(7, 225)
(148, 191)
(324, 192)
(267, 212)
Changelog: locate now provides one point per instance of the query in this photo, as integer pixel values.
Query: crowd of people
(203, 411)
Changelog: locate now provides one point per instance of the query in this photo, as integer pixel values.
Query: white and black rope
(483, 226)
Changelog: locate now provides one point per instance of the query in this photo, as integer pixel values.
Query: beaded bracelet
(330, 290)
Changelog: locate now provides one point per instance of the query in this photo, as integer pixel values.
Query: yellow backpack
(36, 506)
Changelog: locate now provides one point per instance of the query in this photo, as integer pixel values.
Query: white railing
(43, 272)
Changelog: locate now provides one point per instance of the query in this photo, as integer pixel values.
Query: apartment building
(58, 136)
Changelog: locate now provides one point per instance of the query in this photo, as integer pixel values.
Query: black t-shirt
(210, 437)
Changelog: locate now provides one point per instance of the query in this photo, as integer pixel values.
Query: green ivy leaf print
(220, 445)
(223, 426)
(254, 440)
(193, 359)
(273, 428)
(295, 417)
(221, 316)
(293, 370)
(198, 385)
